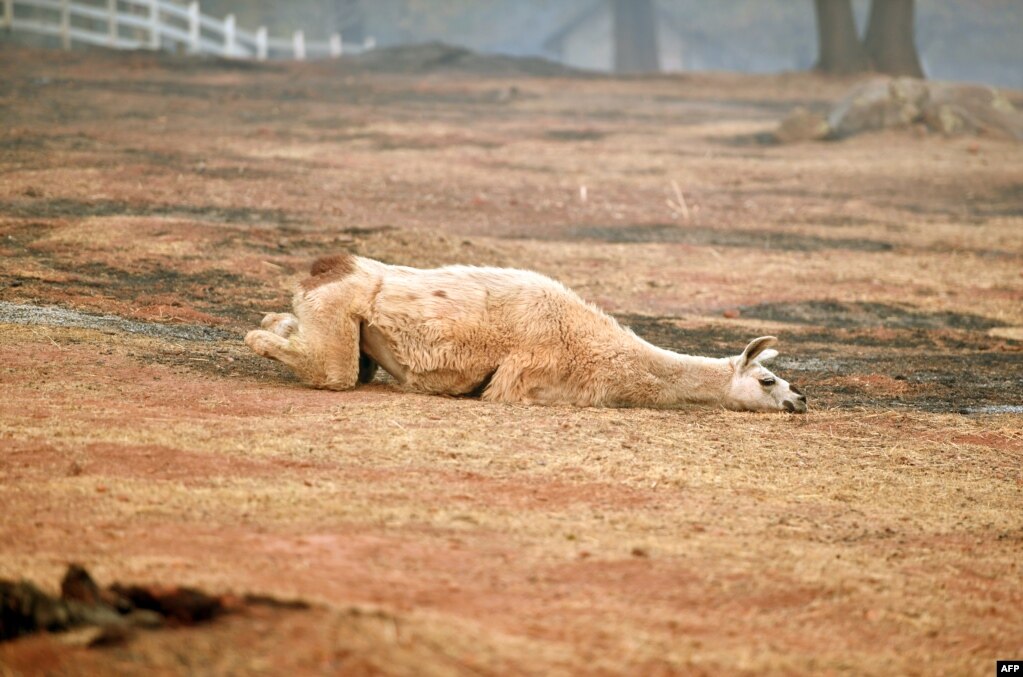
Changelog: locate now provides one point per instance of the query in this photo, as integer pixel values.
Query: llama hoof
(262, 342)
(282, 324)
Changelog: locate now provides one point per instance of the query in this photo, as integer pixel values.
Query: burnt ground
(153, 208)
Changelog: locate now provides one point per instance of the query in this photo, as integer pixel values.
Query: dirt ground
(153, 208)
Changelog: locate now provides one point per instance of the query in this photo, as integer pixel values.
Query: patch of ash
(222, 355)
(841, 315)
(51, 316)
(994, 409)
(35, 208)
(713, 237)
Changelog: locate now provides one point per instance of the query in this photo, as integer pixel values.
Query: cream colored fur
(526, 337)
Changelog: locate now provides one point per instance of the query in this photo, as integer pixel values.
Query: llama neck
(672, 379)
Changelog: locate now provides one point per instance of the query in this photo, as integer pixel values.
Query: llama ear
(754, 349)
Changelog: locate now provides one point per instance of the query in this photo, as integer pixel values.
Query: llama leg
(506, 384)
(522, 380)
(282, 324)
(275, 347)
(320, 341)
(322, 354)
(331, 336)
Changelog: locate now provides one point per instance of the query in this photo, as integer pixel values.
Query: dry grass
(879, 534)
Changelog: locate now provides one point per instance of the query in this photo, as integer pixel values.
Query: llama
(500, 334)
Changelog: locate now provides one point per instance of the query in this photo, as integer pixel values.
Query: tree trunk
(635, 36)
(839, 48)
(890, 42)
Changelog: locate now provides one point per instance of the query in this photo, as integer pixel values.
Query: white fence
(161, 24)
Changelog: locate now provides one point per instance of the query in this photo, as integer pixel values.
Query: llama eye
(767, 382)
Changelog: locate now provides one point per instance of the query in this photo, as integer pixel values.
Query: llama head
(754, 388)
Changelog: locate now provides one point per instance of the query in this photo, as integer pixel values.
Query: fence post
(229, 32)
(154, 24)
(299, 42)
(261, 43)
(335, 45)
(8, 14)
(193, 27)
(65, 24)
(112, 30)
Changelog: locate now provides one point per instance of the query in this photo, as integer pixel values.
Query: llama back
(465, 303)
(452, 328)
(455, 318)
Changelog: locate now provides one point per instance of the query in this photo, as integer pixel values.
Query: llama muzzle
(797, 406)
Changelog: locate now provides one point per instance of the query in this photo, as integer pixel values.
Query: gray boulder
(971, 109)
(881, 103)
(900, 103)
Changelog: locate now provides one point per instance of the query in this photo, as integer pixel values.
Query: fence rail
(161, 24)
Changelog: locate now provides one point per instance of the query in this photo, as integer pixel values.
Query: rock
(955, 109)
(183, 605)
(266, 600)
(901, 103)
(25, 609)
(79, 586)
(93, 614)
(880, 103)
(96, 635)
(143, 618)
(81, 637)
(802, 125)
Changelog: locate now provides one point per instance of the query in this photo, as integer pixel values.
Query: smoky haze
(974, 40)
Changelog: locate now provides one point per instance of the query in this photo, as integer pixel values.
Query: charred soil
(152, 209)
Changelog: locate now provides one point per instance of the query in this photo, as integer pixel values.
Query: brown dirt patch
(154, 208)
